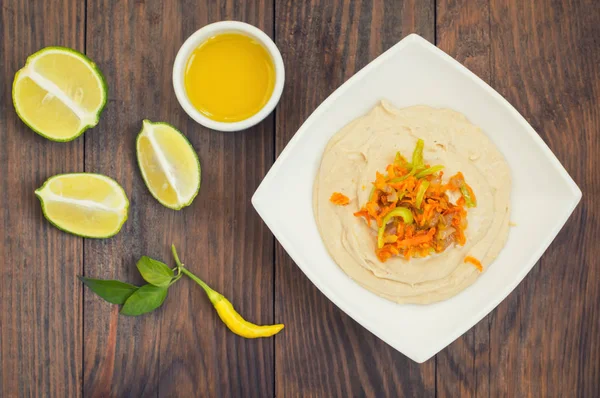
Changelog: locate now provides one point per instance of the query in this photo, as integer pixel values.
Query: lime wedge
(84, 204)
(59, 93)
(169, 164)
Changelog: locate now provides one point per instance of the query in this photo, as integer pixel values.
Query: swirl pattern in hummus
(367, 145)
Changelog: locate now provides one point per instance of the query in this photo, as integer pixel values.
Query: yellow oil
(229, 77)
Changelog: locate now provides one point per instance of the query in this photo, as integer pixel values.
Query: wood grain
(58, 340)
(540, 56)
(40, 300)
(323, 352)
(183, 349)
(544, 339)
(463, 31)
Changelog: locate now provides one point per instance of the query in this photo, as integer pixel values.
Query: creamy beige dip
(369, 144)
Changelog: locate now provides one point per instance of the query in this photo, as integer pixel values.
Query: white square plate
(416, 72)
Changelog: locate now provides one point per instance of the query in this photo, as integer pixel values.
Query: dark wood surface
(59, 340)
(41, 346)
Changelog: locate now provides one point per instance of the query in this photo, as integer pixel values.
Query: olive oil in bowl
(229, 77)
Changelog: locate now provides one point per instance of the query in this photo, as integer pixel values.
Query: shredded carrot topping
(339, 199)
(475, 262)
(436, 223)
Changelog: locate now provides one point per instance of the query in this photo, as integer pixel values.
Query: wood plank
(545, 337)
(40, 301)
(323, 352)
(462, 30)
(524, 338)
(183, 349)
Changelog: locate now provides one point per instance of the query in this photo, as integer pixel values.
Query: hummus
(369, 143)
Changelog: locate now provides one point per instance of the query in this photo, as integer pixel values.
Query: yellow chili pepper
(227, 313)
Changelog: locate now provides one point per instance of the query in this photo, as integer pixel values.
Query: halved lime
(169, 164)
(84, 204)
(59, 93)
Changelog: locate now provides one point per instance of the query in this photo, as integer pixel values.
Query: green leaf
(154, 272)
(115, 292)
(146, 299)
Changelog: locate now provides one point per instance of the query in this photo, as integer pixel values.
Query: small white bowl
(199, 37)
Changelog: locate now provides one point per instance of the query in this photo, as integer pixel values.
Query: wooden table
(59, 340)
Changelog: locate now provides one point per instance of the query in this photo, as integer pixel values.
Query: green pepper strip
(404, 177)
(402, 212)
(416, 165)
(421, 193)
(399, 160)
(372, 193)
(429, 171)
(467, 195)
(401, 196)
(417, 157)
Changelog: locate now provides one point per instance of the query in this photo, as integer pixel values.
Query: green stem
(178, 277)
(177, 261)
(197, 280)
(212, 295)
(178, 267)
